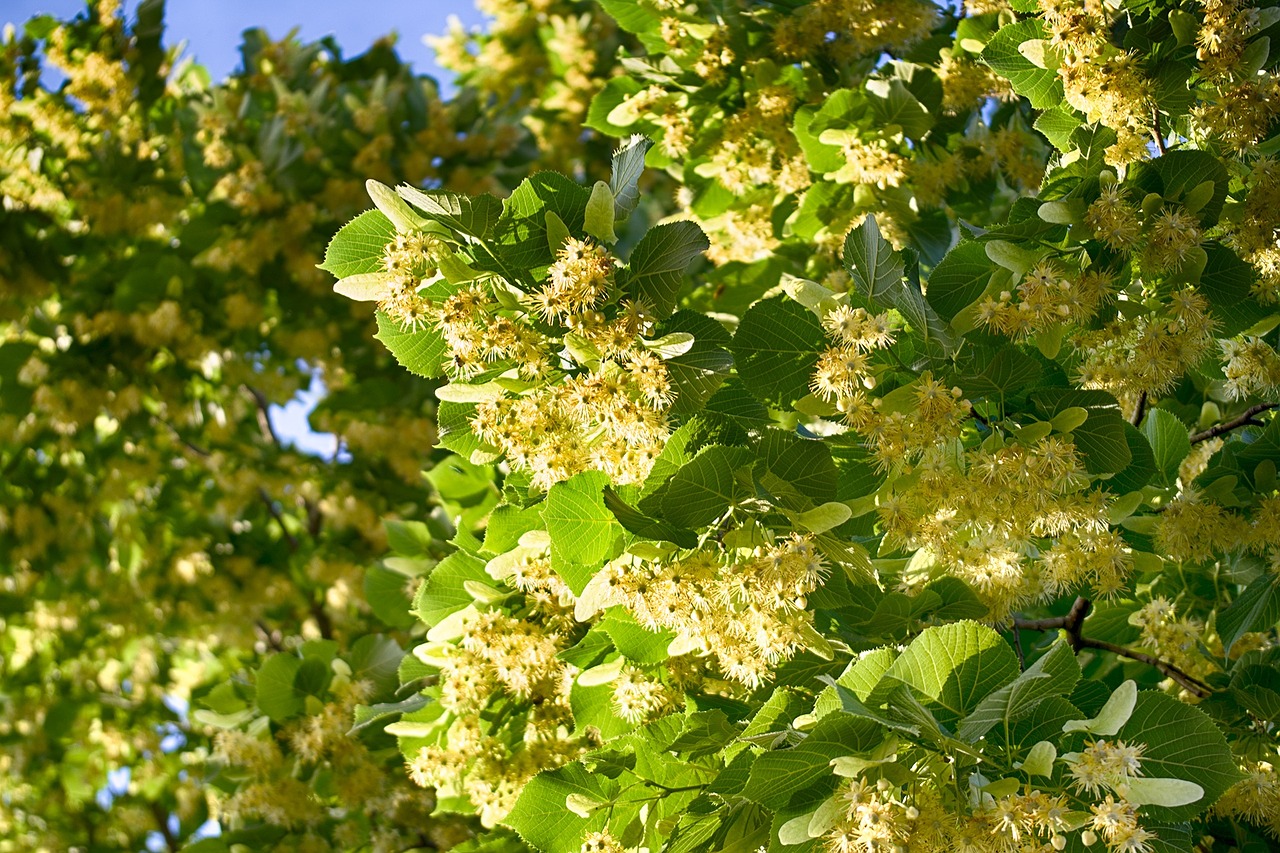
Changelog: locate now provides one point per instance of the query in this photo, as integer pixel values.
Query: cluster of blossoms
(848, 29)
(1254, 233)
(747, 613)
(756, 146)
(1252, 367)
(872, 162)
(1046, 297)
(1175, 639)
(610, 416)
(1167, 236)
(409, 261)
(844, 374)
(1256, 798)
(498, 655)
(1105, 765)
(1243, 104)
(1148, 352)
(273, 792)
(1193, 529)
(1105, 83)
(985, 517)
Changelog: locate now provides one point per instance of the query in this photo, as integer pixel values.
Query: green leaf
(1000, 376)
(953, 667)
(1256, 609)
(471, 216)
(702, 490)
(776, 350)
(598, 218)
(878, 274)
(376, 658)
(659, 261)
(1181, 743)
(892, 103)
(407, 538)
(779, 775)
(794, 467)
(276, 694)
(642, 525)
(631, 16)
(580, 525)
(1257, 688)
(420, 352)
(521, 232)
(959, 278)
(1038, 85)
(1054, 674)
(698, 373)
(444, 593)
(358, 246)
(875, 267)
(1227, 283)
(624, 182)
(1057, 125)
(387, 597)
(540, 816)
(1177, 173)
(1100, 440)
(635, 642)
(1169, 442)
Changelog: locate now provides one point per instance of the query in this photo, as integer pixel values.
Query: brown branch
(1073, 624)
(1140, 412)
(1245, 419)
(1157, 132)
(162, 820)
(1188, 682)
(323, 623)
(271, 638)
(279, 517)
(264, 414)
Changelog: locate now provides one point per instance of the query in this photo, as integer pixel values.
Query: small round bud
(1059, 842)
(912, 813)
(1089, 837)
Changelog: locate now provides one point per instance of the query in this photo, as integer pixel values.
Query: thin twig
(162, 819)
(1140, 412)
(1156, 130)
(1073, 624)
(279, 517)
(271, 638)
(264, 414)
(1245, 419)
(1188, 682)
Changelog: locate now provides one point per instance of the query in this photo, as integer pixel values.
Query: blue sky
(212, 28)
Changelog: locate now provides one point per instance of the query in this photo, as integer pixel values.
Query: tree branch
(279, 517)
(1156, 131)
(264, 414)
(162, 820)
(1141, 410)
(1244, 419)
(1073, 624)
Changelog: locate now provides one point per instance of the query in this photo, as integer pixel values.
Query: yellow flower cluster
(982, 516)
(1256, 233)
(757, 147)
(1256, 798)
(409, 260)
(1149, 352)
(611, 418)
(1105, 765)
(871, 163)
(1105, 83)
(747, 613)
(873, 818)
(1252, 366)
(498, 655)
(1047, 297)
(1173, 639)
(1113, 220)
(848, 29)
